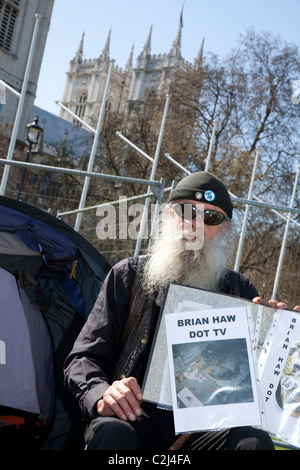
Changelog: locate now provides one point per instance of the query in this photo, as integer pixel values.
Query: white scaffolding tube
(243, 230)
(71, 171)
(104, 204)
(284, 242)
(20, 106)
(94, 149)
(177, 164)
(153, 171)
(76, 117)
(118, 133)
(10, 88)
(208, 159)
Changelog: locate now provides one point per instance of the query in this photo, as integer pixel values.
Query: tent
(50, 277)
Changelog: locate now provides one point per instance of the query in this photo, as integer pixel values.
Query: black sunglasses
(189, 212)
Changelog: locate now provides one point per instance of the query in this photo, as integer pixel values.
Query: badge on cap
(198, 195)
(209, 195)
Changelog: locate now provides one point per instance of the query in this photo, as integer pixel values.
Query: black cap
(205, 187)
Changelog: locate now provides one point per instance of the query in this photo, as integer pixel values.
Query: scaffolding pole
(94, 149)
(124, 179)
(90, 128)
(208, 159)
(71, 171)
(118, 133)
(153, 171)
(157, 207)
(10, 88)
(243, 230)
(168, 156)
(104, 204)
(284, 242)
(20, 106)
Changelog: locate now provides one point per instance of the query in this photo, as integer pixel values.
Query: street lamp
(34, 138)
(34, 134)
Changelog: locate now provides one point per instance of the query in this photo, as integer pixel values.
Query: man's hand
(121, 399)
(274, 303)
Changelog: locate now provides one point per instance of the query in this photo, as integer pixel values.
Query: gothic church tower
(86, 79)
(85, 85)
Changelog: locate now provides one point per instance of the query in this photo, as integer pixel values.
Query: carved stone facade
(17, 22)
(86, 79)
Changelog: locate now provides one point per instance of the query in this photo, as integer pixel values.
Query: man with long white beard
(106, 367)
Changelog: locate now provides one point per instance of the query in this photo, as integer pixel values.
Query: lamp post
(33, 136)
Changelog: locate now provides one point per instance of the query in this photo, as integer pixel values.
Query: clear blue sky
(219, 22)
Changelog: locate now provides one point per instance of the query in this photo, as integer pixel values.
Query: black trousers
(154, 430)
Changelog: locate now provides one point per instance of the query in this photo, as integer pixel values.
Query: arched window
(80, 106)
(108, 106)
(8, 17)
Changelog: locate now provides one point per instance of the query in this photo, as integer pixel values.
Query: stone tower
(86, 79)
(156, 71)
(85, 85)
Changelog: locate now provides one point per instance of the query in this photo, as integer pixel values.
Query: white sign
(280, 378)
(212, 370)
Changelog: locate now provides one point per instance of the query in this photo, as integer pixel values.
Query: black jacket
(116, 339)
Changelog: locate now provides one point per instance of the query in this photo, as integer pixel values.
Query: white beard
(172, 260)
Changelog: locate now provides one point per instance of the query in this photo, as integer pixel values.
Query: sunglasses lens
(213, 217)
(189, 212)
(186, 211)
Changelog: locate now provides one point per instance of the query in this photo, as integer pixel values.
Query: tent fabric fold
(50, 277)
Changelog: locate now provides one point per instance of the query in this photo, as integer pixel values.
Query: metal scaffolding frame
(158, 187)
(258, 203)
(154, 188)
(154, 162)
(94, 148)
